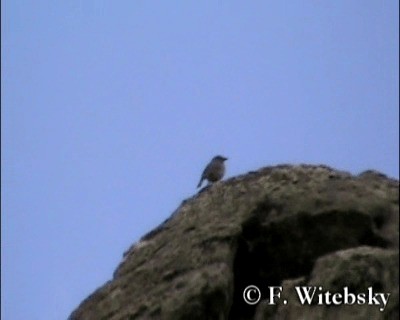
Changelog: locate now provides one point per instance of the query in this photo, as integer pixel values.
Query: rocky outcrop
(290, 226)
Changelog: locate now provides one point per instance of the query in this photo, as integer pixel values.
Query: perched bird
(214, 171)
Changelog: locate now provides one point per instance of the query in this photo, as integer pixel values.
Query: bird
(214, 171)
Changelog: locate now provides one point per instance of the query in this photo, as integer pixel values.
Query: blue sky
(111, 109)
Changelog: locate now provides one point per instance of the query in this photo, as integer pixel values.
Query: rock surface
(279, 226)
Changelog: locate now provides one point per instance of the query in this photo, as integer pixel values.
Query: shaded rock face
(287, 226)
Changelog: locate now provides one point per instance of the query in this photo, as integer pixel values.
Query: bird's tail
(201, 181)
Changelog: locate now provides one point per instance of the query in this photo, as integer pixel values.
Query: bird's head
(220, 158)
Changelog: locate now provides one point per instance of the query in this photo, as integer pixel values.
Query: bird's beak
(225, 159)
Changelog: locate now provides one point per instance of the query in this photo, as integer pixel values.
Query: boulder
(288, 226)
